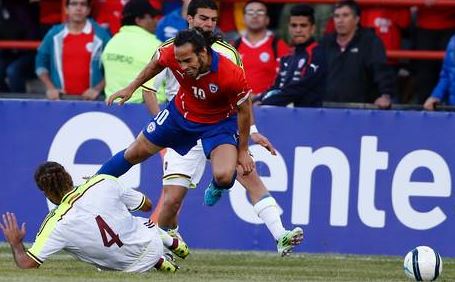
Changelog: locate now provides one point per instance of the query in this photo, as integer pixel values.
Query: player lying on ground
(93, 222)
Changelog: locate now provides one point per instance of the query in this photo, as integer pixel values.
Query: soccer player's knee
(172, 204)
(224, 179)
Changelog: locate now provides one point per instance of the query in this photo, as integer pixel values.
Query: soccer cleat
(180, 248)
(174, 233)
(167, 264)
(289, 240)
(212, 195)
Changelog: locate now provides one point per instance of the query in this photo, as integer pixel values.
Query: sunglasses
(255, 13)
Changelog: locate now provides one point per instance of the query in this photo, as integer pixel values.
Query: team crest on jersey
(213, 88)
(151, 127)
(264, 57)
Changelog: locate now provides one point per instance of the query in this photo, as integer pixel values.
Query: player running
(212, 105)
(181, 172)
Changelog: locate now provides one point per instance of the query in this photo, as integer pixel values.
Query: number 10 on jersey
(199, 93)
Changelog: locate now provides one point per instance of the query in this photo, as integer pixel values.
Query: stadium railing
(395, 54)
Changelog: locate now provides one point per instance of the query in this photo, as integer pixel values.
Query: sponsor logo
(314, 67)
(180, 73)
(301, 63)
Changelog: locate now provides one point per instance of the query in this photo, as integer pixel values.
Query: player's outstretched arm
(150, 70)
(14, 235)
(257, 137)
(260, 139)
(244, 122)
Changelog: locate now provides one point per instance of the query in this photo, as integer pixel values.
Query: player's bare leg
(173, 196)
(140, 150)
(224, 162)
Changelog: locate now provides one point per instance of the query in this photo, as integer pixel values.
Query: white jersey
(94, 223)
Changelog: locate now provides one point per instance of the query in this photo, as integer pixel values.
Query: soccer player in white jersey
(94, 223)
(183, 172)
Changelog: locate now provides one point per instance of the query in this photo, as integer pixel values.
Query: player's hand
(383, 102)
(90, 94)
(430, 103)
(124, 95)
(53, 94)
(246, 162)
(260, 139)
(13, 234)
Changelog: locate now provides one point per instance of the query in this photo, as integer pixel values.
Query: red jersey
(108, 13)
(436, 18)
(76, 55)
(260, 63)
(211, 97)
(388, 23)
(50, 12)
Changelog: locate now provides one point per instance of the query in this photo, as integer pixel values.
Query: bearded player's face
(191, 63)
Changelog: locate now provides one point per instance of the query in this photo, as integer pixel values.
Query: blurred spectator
(50, 14)
(68, 59)
(356, 61)
(445, 89)
(107, 13)
(259, 48)
(322, 16)
(388, 22)
(18, 21)
(170, 24)
(301, 76)
(131, 49)
(435, 26)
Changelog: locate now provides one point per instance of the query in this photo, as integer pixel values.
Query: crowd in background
(344, 56)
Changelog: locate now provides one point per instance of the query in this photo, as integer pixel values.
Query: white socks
(166, 238)
(267, 210)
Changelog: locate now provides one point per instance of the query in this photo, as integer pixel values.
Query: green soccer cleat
(174, 233)
(180, 248)
(212, 195)
(289, 240)
(167, 265)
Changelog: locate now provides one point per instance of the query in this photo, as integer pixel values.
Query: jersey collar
(213, 65)
(215, 60)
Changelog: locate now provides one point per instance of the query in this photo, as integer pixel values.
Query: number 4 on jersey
(104, 228)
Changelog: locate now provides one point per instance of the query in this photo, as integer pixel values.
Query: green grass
(228, 266)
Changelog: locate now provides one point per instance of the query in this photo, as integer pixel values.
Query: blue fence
(357, 181)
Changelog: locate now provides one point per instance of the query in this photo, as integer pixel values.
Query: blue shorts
(171, 130)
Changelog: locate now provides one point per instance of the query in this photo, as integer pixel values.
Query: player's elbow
(147, 206)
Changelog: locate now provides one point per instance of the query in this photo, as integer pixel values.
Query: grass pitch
(228, 266)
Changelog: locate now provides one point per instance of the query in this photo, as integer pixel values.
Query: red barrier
(408, 3)
(11, 44)
(420, 55)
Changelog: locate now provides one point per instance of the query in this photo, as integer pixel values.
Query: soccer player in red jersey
(212, 104)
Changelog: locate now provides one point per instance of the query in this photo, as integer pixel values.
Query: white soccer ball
(423, 264)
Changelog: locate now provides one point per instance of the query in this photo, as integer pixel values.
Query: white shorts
(151, 255)
(184, 170)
